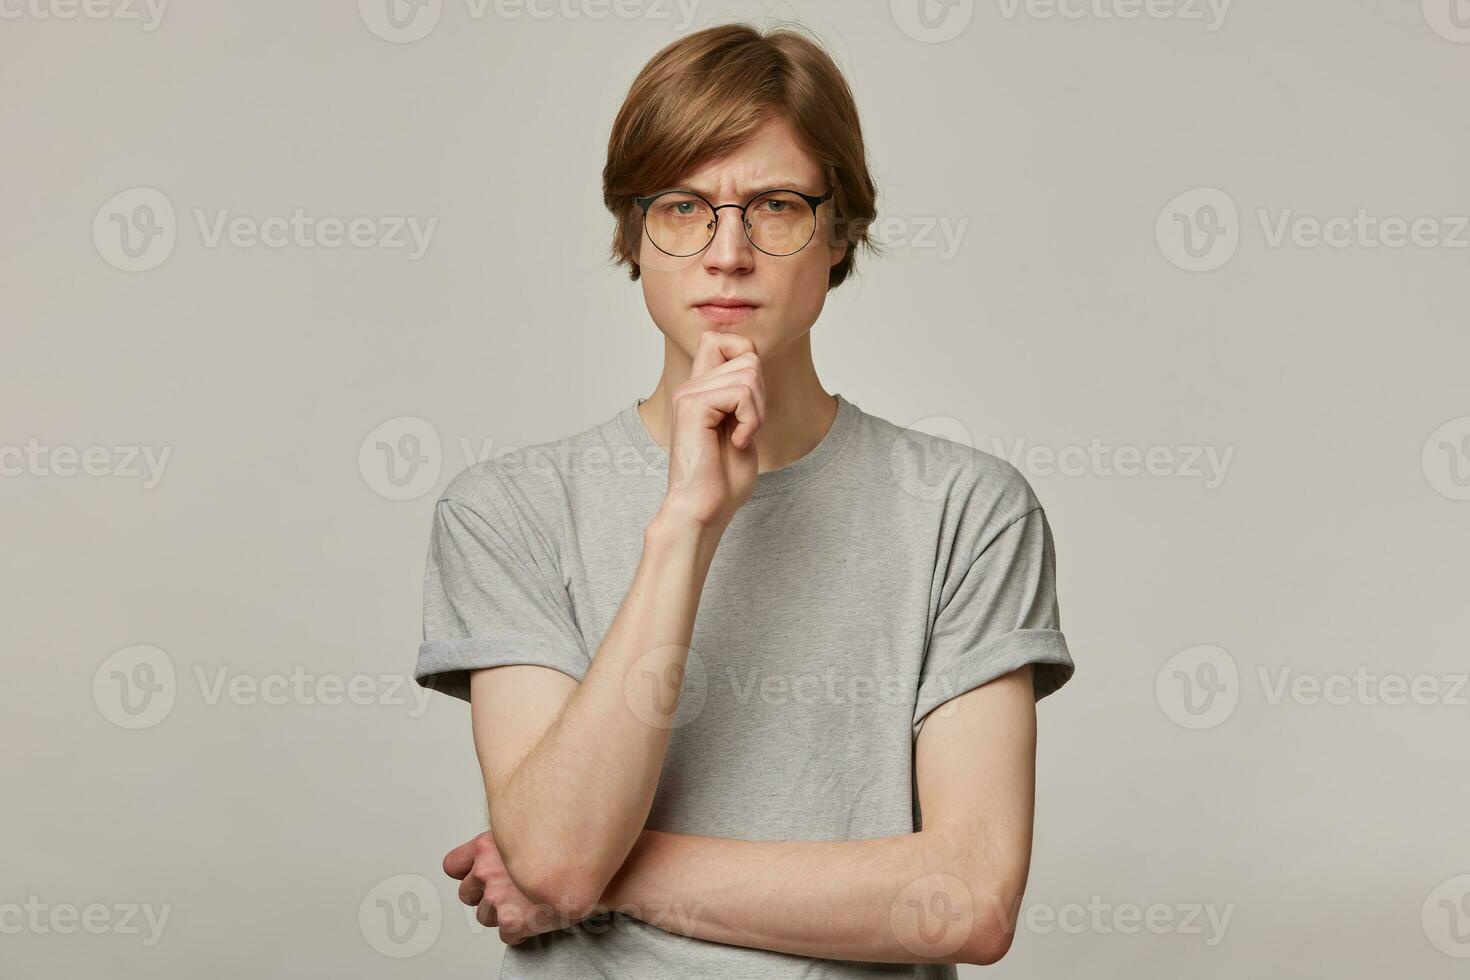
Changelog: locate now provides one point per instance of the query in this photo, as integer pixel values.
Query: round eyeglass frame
(812, 202)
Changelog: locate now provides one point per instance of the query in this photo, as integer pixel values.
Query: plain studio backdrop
(272, 276)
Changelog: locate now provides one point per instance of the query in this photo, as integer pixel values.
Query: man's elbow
(996, 911)
(552, 882)
(987, 945)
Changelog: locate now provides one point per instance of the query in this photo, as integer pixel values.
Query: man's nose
(730, 249)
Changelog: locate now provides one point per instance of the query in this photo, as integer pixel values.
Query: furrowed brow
(745, 193)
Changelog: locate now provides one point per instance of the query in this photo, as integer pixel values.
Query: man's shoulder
(534, 472)
(935, 461)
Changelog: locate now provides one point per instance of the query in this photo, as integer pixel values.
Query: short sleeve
(1000, 615)
(488, 604)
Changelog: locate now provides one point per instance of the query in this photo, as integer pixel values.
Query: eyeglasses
(778, 222)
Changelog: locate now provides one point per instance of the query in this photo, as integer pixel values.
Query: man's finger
(458, 862)
(714, 347)
(471, 890)
(485, 914)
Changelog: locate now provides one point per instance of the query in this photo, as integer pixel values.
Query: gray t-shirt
(862, 586)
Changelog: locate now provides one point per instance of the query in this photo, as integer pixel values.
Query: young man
(752, 672)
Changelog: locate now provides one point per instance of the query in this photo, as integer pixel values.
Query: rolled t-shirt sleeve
(1000, 615)
(487, 603)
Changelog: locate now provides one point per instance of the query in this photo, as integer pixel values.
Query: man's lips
(725, 311)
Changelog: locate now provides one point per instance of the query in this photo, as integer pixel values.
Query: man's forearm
(911, 898)
(569, 812)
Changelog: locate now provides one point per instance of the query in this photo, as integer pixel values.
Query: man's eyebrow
(775, 184)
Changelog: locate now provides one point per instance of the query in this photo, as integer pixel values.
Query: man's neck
(799, 411)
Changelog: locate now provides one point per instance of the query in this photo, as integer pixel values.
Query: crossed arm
(947, 893)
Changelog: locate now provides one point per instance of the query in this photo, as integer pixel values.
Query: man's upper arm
(975, 764)
(500, 630)
(511, 707)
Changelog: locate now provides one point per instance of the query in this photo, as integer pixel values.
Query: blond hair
(705, 95)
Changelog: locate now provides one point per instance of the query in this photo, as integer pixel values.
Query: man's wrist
(671, 532)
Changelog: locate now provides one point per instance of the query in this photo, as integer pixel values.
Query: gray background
(1332, 834)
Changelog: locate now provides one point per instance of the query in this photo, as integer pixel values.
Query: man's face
(785, 293)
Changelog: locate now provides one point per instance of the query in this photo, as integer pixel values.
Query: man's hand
(715, 415)
(485, 884)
